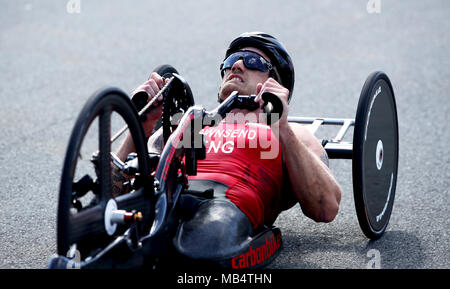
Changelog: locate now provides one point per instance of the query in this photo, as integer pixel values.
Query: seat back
(221, 234)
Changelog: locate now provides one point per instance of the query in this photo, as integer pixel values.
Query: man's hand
(272, 86)
(152, 87)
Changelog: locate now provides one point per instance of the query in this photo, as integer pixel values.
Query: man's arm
(312, 183)
(151, 87)
(155, 143)
(119, 179)
(324, 159)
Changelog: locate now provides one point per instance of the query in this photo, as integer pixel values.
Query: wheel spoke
(87, 224)
(104, 153)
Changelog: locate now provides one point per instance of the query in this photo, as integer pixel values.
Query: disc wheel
(375, 155)
(84, 225)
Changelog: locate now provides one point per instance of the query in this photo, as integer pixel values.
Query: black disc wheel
(81, 223)
(375, 155)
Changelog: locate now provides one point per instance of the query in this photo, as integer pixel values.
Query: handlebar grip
(272, 104)
(139, 100)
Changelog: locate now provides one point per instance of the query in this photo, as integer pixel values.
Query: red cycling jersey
(247, 158)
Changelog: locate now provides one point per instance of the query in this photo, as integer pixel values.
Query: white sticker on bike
(378, 91)
(380, 216)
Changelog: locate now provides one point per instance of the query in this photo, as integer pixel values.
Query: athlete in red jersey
(256, 63)
(245, 157)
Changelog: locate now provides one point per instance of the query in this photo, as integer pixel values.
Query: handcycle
(138, 229)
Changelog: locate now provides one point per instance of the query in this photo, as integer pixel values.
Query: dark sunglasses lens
(228, 63)
(251, 61)
(254, 61)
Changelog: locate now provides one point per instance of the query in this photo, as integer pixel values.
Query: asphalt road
(52, 58)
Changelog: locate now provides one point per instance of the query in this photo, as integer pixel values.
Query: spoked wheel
(375, 155)
(88, 227)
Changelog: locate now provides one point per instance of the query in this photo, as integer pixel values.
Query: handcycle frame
(335, 147)
(158, 197)
(143, 243)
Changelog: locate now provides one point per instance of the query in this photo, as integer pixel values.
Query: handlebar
(272, 105)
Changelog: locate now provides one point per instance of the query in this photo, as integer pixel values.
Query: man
(251, 189)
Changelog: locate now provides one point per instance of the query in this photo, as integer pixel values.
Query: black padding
(217, 230)
(203, 185)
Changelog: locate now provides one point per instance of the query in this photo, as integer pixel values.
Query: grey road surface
(55, 54)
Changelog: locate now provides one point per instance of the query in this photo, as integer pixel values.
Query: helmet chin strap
(274, 74)
(218, 95)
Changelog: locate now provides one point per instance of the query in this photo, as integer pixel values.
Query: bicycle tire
(100, 105)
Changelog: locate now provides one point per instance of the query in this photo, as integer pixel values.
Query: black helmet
(276, 52)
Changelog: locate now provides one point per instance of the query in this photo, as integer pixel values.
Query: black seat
(218, 229)
(220, 233)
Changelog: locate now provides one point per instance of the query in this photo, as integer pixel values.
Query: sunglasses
(252, 60)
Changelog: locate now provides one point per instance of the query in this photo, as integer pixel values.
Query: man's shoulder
(302, 131)
(305, 135)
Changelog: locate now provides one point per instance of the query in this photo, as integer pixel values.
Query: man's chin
(226, 91)
(228, 88)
